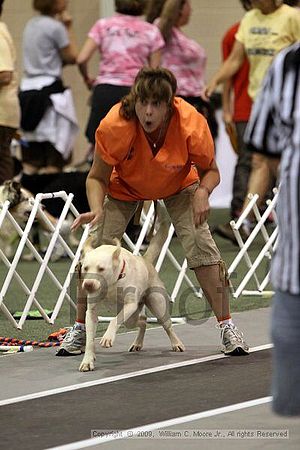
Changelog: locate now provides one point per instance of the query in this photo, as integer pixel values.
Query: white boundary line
(124, 376)
(166, 423)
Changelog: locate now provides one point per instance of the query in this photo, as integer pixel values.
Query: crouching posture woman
(152, 146)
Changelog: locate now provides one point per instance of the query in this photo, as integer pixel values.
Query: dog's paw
(106, 341)
(86, 367)
(179, 347)
(135, 347)
(87, 364)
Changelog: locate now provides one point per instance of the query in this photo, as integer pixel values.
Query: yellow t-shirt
(263, 36)
(9, 102)
(137, 174)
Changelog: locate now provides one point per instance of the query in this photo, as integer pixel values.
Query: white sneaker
(73, 343)
(233, 341)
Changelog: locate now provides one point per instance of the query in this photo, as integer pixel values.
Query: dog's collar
(122, 273)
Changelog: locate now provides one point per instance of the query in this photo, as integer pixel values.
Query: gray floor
(64, 404)
(40, 370)
(249, 420)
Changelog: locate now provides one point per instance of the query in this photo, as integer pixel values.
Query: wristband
(205, 188)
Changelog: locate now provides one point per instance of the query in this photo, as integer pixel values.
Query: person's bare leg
(259, 179)
(213, 282)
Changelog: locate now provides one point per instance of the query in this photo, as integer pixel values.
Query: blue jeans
(286, 359)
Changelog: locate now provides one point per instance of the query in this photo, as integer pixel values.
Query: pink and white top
(125, 45)
(187, 60)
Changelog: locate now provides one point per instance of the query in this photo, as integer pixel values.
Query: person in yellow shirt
(263, 34)
(152, 146)
(264, 31)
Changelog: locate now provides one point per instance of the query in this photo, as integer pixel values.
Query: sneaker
(226, 232)
(233, 341)
(73, 343)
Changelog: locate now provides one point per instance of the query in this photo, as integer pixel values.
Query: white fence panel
(32, 293)
(266, 252)
(33, 297)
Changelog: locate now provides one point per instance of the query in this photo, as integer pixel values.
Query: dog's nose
(89, 285)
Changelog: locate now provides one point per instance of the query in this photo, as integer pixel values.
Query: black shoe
(133, 232)
(226, 232)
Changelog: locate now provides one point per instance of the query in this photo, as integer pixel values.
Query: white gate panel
(32, 293)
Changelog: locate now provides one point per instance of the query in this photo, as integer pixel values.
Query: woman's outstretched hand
(92, 218)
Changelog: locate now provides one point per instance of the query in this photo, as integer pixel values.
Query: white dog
(113, 273)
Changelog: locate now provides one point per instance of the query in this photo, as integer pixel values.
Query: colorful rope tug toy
(15, 348)
(9, 344)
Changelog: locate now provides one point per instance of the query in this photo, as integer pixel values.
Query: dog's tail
(157, 241)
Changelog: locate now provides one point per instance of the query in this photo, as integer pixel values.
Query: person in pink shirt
(125, 43)
(183, 56)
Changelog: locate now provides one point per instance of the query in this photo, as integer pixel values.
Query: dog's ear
(88, 246)
(116, 253)
(12, 190)
(12, 186)
(116, 242)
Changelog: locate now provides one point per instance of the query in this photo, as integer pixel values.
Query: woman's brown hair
(130, 7)
(45, 7)
(168, 12)
(156, 84)
(1, 5)
(246, 4)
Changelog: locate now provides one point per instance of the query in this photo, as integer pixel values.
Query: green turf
(187, 304)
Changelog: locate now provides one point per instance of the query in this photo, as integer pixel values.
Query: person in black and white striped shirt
(274, 130)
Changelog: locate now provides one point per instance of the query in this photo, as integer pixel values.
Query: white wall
(106, 8)
(226, 159)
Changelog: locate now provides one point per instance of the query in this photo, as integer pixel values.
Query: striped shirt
(274, 129)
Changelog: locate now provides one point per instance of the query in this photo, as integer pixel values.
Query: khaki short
(199, 247)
